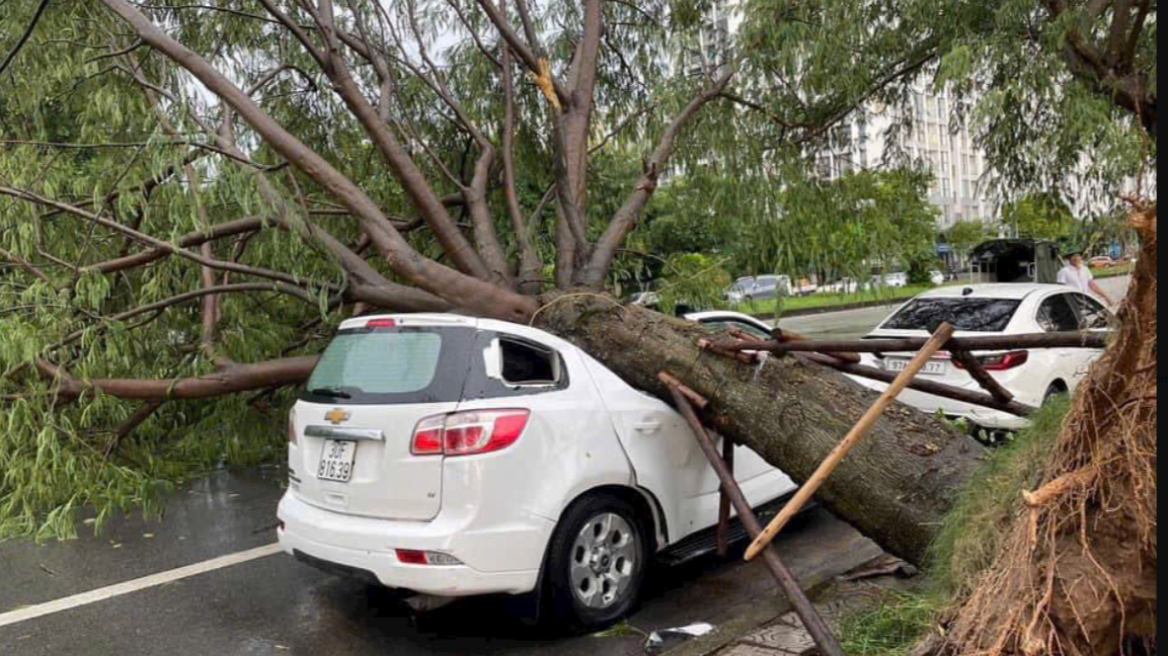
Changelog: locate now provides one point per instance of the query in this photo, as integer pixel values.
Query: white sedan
(452, 457)
(1034, 377)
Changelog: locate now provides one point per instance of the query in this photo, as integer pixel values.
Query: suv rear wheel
(597, 564)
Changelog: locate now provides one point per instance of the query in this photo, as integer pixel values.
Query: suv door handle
(648, 427)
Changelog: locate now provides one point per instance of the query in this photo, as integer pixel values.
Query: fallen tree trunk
(896, 488)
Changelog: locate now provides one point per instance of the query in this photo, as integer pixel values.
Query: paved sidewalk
(785, 636)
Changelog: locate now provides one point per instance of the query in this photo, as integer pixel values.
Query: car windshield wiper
(330, 392)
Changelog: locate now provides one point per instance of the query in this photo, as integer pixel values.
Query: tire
(597, 564)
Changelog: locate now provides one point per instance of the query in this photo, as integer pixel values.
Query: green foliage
(964, 236)
(1042, 216)
(974, 531)
(892, 629)
(864, 222)
(1043, 127)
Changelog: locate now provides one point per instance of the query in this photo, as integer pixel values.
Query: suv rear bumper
(369, 545)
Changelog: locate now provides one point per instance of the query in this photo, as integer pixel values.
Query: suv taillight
(469, 433)
(1001, 362)
(292, 428)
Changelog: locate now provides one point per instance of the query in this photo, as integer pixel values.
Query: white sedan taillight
(469, 433)
(292, 439)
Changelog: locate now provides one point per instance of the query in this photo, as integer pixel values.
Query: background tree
(964, 236)
(1042, 216)
(863, 223)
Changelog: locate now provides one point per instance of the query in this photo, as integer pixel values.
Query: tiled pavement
(787, 637)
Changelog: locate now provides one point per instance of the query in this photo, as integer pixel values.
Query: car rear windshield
(392, 367)
(974, 315)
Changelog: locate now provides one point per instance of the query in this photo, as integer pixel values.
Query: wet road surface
(276, 606)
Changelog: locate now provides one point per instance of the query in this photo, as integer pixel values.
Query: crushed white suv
(450, 457)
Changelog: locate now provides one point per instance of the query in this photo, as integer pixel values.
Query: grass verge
(828, 301)
(966, 546)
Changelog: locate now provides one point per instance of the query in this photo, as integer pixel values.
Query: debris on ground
(660, 641)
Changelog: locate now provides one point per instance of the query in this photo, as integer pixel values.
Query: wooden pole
(726, 509)
(861, 431)
(982, 376)
(990, 343)
(806, 611)
(922, 385)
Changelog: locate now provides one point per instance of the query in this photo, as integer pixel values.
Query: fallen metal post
(806, 611)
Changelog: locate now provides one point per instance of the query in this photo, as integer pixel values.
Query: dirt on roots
(1078, 573)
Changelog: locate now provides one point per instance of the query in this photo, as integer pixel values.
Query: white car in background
(988, 310)
(453, 457)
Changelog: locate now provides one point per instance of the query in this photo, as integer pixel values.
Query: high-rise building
(928, 132)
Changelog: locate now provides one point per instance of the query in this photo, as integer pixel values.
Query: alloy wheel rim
(604, 562)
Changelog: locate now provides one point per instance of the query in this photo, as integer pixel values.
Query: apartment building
(928, 133)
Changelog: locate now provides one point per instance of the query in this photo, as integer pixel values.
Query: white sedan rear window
(973, 315)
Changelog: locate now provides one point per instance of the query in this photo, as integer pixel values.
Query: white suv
(452, 457)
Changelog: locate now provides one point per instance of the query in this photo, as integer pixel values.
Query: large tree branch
(538, 65)
(626, 219)
(1127, 88)
(233, 380)
(459, 289)
(405, 170)
(530, 266)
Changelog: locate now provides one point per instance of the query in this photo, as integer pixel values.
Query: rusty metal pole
(727, 506)
(806, 611)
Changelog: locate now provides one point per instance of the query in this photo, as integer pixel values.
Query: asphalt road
(275, 606)
(854, 324)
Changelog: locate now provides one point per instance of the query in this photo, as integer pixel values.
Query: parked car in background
(844, 286)
(720, 322)
(890, 281)
(896, 280)
(986, 310)
(762, 288)
(1103, 262)
(451, 457)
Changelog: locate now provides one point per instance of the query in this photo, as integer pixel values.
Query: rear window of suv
(974, 315)
(374, 367)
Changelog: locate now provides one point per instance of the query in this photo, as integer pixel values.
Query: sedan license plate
(933, 368)
(336, 461)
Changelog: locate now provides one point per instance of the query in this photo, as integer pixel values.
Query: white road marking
(130, 587)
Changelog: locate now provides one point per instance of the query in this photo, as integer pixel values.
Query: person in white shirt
(1078, 275)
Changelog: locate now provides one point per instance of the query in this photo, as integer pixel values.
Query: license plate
(336, 461)
(933, 368)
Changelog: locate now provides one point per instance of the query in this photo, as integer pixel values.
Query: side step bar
(705, 543)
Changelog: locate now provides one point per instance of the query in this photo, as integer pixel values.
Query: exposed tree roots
(1078, 575)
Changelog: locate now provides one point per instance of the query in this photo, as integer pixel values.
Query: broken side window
(528, 365)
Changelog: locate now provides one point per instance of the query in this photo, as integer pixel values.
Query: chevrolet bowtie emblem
(338, 417)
